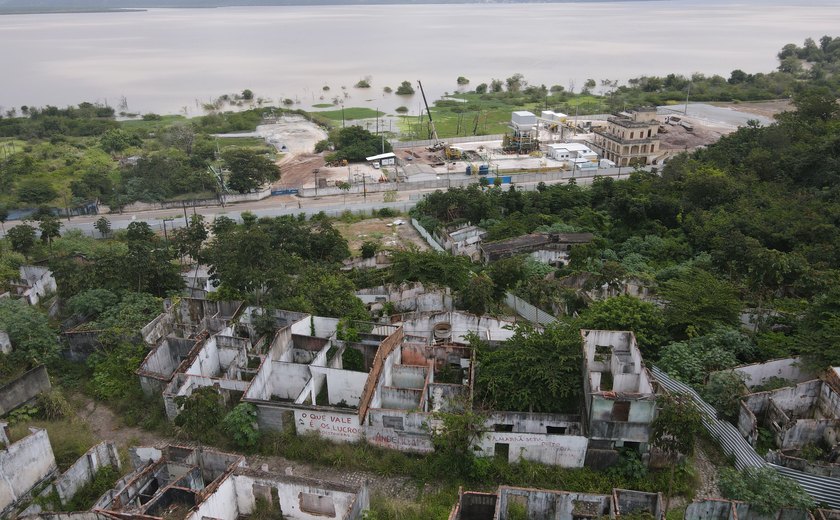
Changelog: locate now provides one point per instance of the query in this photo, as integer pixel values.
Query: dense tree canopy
(533, 371)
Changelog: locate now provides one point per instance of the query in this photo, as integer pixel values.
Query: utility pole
(66, 208)
(685, 112)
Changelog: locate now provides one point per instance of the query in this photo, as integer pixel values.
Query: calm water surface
(171, 60)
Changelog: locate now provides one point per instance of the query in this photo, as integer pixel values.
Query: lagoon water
(173, 60)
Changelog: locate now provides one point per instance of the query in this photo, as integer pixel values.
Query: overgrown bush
(241, 424)
(764, 489)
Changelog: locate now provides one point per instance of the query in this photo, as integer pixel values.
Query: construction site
(534, 143)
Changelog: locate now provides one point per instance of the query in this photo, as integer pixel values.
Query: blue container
(469, 170)
(484, 169)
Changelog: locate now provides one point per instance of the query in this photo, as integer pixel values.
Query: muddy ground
(767, 109)
(389, 237)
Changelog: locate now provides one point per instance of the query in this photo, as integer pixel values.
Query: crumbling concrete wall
(39, 281)
(553, 505)
(24, 389)
(716, 509)
(488, 328)
(23, 465)
(627, 501)
(791, 369)
(410, 297)
(568, 451)
(162, 362)
(79, 474)
(330, 424)
(300, 498)
(825, 469)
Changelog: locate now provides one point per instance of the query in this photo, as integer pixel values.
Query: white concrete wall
(5, 343)
(490, 329)
(79, 474)
(331, 425)
(221, 504)
(324, 327)
(385, 377)
(23, 465)
(287, 380)
(291, 492)
(791, 369)
(342, 385)
(392, 439)
(206, 362)
(567, 451)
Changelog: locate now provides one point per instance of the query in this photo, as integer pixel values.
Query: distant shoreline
(12, 7)
(72, 11)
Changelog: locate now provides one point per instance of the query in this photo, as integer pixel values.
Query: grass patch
(469, 113)
(323, 105)
(243, 142)
(436, 505)
(70, 439)
(10, 146)
(351, 113)
(85, 497)
(152, 124)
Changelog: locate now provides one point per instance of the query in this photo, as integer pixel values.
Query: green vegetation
(353, 143)
(764, 489)
(351, 113)
(405, 89)
(71, 157)
(703, 237)
(323, 105)
(509, 381)
(486, 110)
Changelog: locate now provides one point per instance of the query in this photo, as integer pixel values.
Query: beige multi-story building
(630, 138)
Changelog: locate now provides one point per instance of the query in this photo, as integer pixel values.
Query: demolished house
(461, 240)
(177, 336)
(59, 492)
(349, 381)
(406, 297)
(34, 284)
(185, 483)
(618, 394)
(30, 482)
(804, 421)
(550, 248)
(515, 502)
(720, 509)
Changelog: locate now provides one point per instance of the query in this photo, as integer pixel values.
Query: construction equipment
(437, 144)
(452, 153)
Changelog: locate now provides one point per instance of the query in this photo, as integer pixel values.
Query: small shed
(383, 159)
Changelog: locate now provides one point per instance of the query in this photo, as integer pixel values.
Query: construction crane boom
(437, 144)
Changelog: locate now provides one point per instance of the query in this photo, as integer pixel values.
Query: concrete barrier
(24, 389)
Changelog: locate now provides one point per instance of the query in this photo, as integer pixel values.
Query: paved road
(293, 205)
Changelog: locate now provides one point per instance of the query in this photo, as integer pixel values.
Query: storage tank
(442, 332)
